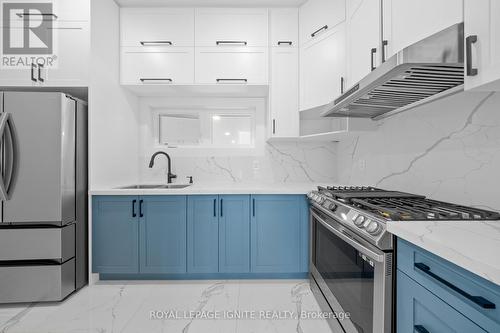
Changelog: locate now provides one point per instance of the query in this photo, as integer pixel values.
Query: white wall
(269, 163)
(448, 150)
(113, 123)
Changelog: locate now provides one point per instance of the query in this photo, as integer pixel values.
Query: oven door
(353, 275)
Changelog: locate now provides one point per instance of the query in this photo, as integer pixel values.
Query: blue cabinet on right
(279, 234)
(434, 295)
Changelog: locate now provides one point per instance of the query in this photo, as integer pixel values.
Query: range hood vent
(424, 71)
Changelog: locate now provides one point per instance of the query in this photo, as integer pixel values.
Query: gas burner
(410, 209)
(397, 206)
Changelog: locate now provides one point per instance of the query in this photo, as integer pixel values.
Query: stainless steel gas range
(352, 254)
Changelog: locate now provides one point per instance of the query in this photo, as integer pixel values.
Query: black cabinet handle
(156, 42)
(253, 207)
(221, 208)
(274, 126)
(420, 329)
(33, 67)
(372, 53)
(285, 42)
(140, 208)
(230, 42)
(325, 27)
(133, 208)
(468, 50)
(158, 80)
(44, 15)
(341, 85)
(231, 80)
(479, 300)
(384, 49)
(215, 207)
(40, 78)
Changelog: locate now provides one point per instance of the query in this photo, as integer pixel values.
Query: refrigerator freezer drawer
(38, 244)
(44, 283)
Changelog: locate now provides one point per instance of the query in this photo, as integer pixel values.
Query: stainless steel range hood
(427, 70)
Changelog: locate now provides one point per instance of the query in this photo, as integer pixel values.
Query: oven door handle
(361, 249)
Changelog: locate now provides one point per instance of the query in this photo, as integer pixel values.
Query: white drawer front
(159, 65)
(143, 26)
(231, 25)
(231, 65)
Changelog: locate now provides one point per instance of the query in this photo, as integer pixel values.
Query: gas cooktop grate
(409, 209)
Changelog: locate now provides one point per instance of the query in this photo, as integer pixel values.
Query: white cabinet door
(482, 32)
(231, 65)
(409, 21)
(223, 26)
(364, 31)
(157, 65)
(316, 17)
(168, 26)
(322, 66)
(284, 92)
(72, 55)
(284, 26)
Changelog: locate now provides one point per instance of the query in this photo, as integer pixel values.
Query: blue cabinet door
(421, 311)
(203, 234)
(234, 234)
(279, 237)
(115, 234)
(162, 234)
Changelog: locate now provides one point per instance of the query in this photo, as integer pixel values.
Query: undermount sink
(152, 186)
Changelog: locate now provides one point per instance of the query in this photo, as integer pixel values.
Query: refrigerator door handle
(3, 125)
(11, 156)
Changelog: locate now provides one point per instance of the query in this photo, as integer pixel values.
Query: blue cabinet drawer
(468, 293)
(421, 311)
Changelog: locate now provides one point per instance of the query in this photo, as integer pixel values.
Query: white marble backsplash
(279, 163)
(448, 150)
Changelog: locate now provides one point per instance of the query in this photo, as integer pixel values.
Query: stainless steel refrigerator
(43, 193)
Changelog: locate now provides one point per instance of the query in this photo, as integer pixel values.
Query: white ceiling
(211, 3)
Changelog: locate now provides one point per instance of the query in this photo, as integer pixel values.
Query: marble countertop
(214, 188)
(472, 245)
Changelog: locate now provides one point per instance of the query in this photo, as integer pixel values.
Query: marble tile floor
(119, 306)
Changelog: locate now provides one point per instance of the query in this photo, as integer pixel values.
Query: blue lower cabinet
(234, 233)
(478, 299)
(203, 234)
(115, 234)
(420, 311)
(162, 234)
(279, 234)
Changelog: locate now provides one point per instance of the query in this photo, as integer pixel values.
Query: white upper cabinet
(319, 16)
(284, 73)
(284, 27)
(231, 65)
(157, 65)
(157, 26)
(284, 92)
(364, 19)
(67, 63)
(322, 69)
(409, 21)
(231, 27)
(482, 44)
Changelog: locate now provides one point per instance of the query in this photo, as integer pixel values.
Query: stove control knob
(359, 221)
(331, 206)
(320, 200)
(373, 228)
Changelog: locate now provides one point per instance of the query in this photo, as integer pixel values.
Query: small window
(206, 127)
